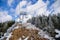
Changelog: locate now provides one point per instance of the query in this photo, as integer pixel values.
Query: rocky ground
(25, 34)
(26, 31)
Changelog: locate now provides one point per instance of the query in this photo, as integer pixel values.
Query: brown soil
(20, 32)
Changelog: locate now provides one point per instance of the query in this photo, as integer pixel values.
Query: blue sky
(4, 6)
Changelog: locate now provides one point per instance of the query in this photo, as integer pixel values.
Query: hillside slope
(26, 31)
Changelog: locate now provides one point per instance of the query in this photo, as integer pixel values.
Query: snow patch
(57, 31)
(9, 36)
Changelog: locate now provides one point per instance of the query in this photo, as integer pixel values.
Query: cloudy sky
(10, 9)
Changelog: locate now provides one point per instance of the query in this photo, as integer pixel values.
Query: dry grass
(20, 32)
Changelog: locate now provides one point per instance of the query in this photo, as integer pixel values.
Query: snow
(9, 36)
(42, 33)
(24, 39)
(23, 36)
(17, 20)
(30, 26)
(23, 18)
(57, 31)
(19, 39)
(48, 37)
(16, 27)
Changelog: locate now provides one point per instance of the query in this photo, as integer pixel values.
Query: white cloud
(31, 9)
(56, 7)
(19, 6)
(10, 2)
(4, 16)
(38, 8)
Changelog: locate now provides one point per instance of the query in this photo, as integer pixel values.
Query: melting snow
(9, 36)
(28, 26)
(24, 39)
(57, 31)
